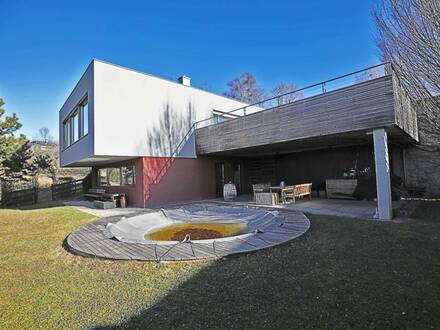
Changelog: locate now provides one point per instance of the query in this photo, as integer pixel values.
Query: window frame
(108, 171)
(68, 126)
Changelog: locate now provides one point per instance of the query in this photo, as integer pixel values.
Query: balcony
(337, 112)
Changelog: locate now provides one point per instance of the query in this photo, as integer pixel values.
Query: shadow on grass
(37, 206)
(342, 273)
(43, 204)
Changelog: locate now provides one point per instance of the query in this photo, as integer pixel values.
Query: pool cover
(134, 229)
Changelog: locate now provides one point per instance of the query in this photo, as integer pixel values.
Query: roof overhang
(347, 139)
(99, 161)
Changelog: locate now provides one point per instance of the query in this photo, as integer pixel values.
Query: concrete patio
(88, 207)
(320, 206)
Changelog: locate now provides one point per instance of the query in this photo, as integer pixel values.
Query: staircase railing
(174, 154)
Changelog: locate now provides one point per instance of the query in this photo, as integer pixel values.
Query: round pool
(171, 226)
(196, 231)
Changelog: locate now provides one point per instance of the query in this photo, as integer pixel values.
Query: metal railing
(298, 95)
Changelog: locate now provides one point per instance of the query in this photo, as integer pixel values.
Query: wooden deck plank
(90, 241)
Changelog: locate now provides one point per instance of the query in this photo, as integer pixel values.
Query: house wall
(133, 114)
(84, 147)
(317, 166)
(140, 115)
(187, 179)
(313, 166)
(422, 161)
(135, 193)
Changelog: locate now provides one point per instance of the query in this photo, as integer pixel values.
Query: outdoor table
(277, 190)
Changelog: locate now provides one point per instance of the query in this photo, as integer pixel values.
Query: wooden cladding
(359, 107)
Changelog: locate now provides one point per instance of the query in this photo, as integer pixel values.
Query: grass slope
(343, 273)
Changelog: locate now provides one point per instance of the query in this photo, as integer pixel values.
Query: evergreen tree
(45, 164)
(15, 151)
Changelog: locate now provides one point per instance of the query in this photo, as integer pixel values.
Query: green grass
(343, 273)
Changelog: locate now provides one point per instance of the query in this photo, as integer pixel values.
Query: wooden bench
(293, 192)
(94, 193)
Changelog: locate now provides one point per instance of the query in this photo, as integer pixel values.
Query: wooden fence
(19, 197)
(67, 189)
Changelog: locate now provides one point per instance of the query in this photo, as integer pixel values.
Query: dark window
(128, 174)
(76, 125)
(116, 176)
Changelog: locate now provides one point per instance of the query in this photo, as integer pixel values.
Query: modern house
(161, 141)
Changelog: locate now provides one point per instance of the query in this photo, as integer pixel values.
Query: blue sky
(46, 45)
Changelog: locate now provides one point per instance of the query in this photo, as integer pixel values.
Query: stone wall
(422, 161)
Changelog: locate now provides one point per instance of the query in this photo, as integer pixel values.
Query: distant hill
(63, 174)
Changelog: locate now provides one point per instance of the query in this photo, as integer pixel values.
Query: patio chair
(260, 188)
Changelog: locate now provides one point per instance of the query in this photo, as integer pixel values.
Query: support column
(383, 182)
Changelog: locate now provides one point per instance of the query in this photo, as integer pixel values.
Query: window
(116, 176)
(66, 130)
(127, 175)
(76, 125)
(102, 177)
(85, 118)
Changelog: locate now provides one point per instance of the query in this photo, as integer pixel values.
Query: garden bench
(94, 193)
(293, 192)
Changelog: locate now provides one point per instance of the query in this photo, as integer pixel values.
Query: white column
(383, 182)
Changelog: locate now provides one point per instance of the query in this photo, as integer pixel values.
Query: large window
(116, 176)
(76, 125)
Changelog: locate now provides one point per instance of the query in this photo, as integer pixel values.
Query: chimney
(184, 80)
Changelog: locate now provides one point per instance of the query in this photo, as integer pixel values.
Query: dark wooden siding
(406, 116)
(359, 107)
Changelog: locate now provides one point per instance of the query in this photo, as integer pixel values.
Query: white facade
(133, 114)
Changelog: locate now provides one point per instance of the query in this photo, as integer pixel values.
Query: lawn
(343, 273)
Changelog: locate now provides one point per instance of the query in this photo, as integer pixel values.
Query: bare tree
(44, 135)
(409, 37)
(374, 72)
(287, 93)
(245, 89)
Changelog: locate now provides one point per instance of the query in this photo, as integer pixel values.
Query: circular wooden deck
(90, 241)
